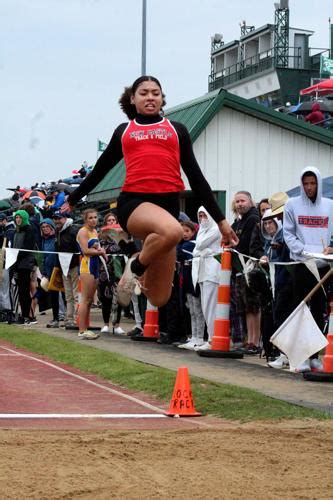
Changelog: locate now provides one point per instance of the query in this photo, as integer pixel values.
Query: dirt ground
(271, 460)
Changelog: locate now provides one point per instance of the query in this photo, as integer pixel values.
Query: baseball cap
(3, 216)
(59, 215)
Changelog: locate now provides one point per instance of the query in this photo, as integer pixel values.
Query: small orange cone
(328, 356)
(151, 327)
(182, 404)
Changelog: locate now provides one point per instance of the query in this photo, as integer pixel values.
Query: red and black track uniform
(153, 149)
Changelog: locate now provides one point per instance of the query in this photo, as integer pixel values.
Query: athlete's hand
(229, 236)
(328, 250)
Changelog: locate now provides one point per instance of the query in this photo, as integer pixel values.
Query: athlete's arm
(108, 160)
(200, 186)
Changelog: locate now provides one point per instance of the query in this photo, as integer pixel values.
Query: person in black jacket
(25, 263)
(66, 242)
(245, 303)
(7, 230)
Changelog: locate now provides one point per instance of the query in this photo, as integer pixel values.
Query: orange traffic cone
(326, 375)
(328, 357)
(151, 330)
(182, 404)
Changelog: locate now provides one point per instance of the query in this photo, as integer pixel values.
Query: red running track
(38, 393)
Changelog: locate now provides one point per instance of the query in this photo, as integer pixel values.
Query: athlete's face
(91, 219)
(148, 98)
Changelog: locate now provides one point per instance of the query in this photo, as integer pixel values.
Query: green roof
(196, 115)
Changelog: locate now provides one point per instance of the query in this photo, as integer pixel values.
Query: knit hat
(47, 221)
(182, 217)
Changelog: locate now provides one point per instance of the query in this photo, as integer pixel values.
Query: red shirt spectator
(316, 115)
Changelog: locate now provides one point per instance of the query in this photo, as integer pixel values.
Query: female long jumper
(153, 149)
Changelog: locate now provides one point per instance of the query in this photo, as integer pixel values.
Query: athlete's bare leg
(160, 233)
(88, 288)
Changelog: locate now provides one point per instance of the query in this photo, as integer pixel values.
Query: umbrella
(322, 88)
(325, 106)
(62, 186)
(33, 192)
(5, 203)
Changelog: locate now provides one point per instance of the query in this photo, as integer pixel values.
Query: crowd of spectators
(275, 230)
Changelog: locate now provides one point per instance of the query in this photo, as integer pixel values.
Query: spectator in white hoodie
(308, 227)
(206, 269)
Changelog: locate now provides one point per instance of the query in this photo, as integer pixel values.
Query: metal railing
(253, 65)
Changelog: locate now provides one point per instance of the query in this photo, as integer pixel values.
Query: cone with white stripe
(151, 331)
(221, 337)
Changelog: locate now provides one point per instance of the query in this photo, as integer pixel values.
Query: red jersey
(152, 158)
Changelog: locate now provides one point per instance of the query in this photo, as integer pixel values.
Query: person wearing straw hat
(276, 202)
(278, 252)
(308, 228)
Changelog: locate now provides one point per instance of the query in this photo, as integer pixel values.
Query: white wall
(237, 151)
(257, 86)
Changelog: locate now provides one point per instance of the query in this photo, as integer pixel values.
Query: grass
(226, 401)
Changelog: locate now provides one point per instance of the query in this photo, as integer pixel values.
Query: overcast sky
(64, 64)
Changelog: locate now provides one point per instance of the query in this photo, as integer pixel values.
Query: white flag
(11, 256)
(299, 336)
(65, 259)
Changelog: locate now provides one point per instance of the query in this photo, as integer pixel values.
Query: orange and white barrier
(221, 336)
(326, 374)
(328, 356)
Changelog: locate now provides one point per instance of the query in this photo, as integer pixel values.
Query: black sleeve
(256, 245)
(108, 160)
(198, 183)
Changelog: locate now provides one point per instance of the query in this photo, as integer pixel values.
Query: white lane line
(8, 354)
(79, 415)
(113, 391)
(91, 382)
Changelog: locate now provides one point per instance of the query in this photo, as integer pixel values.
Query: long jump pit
(65, 434)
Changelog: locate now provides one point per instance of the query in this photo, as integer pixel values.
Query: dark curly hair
(125, 98)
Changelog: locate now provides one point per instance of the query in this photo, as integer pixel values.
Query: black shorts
(127, 203)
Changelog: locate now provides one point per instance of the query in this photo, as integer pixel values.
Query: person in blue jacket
(47, 227)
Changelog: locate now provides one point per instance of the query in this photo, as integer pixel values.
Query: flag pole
(97, 149)
(318, 285)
